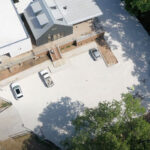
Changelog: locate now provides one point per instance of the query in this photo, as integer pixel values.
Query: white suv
(16, 90)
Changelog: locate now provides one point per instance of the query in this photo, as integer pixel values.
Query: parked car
(95, 53)
(16, 90)
(46, 78)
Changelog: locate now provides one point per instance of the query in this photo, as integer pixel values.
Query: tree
(116, 125)
(137, 6)
(15, 1)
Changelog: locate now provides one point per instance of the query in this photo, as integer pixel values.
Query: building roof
(36, 7)
(22, 5)
(76, 11)
(41, 15)
(42, 19)
(11, 28)
(50, 3)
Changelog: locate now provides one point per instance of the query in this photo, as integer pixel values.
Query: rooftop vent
(61, 19)
(54, 7)
(36, 7)
(56, 14)
(42, 19)
(50, 3)
(65, 7)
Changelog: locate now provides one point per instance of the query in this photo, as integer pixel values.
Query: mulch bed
(106, 52)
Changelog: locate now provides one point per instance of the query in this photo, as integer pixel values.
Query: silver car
(95, 53)
(46, 78)
(16, 90)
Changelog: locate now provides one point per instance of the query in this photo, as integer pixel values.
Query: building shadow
(56, 119)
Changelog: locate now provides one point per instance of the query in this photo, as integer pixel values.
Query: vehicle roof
(14, 84)
(44, 71)
(46, 75)
(96, 53)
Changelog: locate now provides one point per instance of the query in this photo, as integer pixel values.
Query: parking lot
(82, 81)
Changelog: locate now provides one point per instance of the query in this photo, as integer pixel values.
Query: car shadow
(42, 79)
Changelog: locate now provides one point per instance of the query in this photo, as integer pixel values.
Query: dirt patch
(27, 142)
(4, 104)
(106, 52)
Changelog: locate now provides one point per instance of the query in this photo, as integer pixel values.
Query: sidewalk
(10, 123)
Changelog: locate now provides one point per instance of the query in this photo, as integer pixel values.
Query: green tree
(116, 125)
(137, 6)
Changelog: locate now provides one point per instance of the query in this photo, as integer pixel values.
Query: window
(54, 28)
(17, 91)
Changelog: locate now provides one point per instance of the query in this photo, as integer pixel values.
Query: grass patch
(68, 46)
(6, 104)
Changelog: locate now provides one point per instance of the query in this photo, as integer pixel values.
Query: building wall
(17, 48)
(55, 32)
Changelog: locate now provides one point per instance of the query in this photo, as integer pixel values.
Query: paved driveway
(81, 81)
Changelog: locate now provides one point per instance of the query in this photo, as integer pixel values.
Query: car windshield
(20, 96)
(97, 54)
(17, 89)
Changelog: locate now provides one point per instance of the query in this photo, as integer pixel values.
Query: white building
(14, 39)
(75, 11)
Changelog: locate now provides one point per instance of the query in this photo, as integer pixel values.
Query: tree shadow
(56, 119)
(125, 33)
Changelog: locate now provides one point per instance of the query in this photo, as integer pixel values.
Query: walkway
(10, 123)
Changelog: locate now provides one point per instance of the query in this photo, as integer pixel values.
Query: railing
(17, 62)
(31, 56)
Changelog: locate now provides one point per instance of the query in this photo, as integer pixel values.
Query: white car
(95, 53)
(16, 90)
